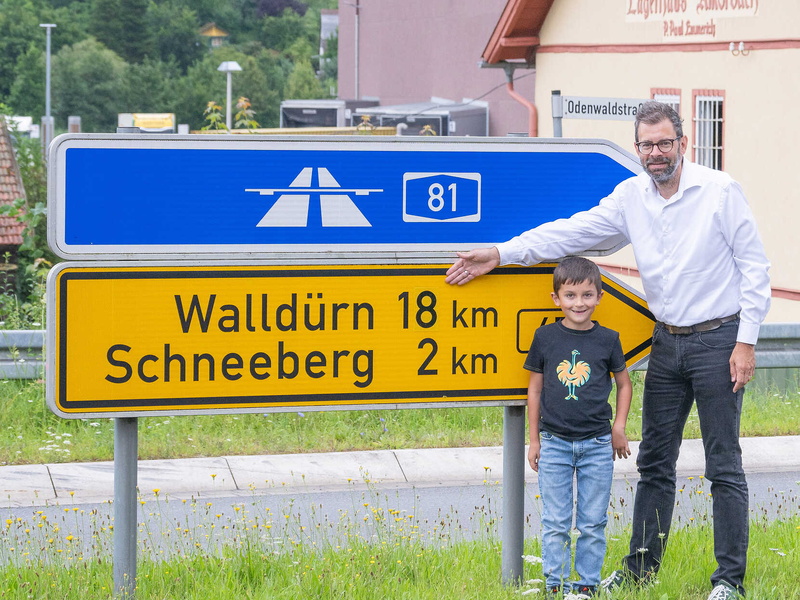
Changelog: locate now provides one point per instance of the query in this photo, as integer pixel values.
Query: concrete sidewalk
(79, 483)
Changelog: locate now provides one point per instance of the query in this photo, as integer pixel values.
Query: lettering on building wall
(685, 20)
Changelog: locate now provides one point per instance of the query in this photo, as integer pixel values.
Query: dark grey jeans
(684, 369)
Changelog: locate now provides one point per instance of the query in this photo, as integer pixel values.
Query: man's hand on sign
(472, 264)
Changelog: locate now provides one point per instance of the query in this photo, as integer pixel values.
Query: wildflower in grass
(534, 560)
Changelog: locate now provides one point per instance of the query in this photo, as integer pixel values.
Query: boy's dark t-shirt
(576, 365)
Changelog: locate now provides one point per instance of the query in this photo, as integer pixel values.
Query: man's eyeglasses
(663, 145)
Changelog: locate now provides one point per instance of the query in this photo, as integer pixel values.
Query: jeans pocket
(603, 440)
(719, 338)
(545, 437)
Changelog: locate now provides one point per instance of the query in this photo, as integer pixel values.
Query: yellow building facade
(731, 67)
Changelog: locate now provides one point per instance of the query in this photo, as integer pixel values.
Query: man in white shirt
(704, 274)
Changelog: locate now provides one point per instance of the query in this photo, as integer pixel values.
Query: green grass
(30, 433)
(375, 552)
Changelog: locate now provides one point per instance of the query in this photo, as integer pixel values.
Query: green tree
(148, 87)
(72, 23)
(121, 25)
(203, 83)
(213, 117)
(89, 80)
(28, 90)
(105, 24)
(279, 33)
(137, 42)
(175, 31)
(19, 28)
(303, 83)
(329, 61)
(245, 117)
(276, 69)
(35, 257)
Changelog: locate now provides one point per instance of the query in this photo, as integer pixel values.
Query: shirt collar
(690, 177)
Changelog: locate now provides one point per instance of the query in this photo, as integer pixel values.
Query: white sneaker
(724, 591)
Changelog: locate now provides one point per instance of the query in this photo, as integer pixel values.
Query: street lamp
(48, 121)
(229, 66)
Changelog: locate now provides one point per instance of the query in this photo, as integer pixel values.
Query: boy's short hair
(576, 269)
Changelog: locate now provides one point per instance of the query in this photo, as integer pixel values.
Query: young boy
(571, 363)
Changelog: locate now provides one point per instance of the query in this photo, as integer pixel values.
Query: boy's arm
(534, 398)
(619, 441)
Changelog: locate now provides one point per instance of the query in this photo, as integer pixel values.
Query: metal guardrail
(22, 352)
(778, 346)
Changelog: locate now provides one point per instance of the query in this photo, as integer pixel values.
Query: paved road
(326, 498)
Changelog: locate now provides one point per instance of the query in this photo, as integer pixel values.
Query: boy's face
(577, 301)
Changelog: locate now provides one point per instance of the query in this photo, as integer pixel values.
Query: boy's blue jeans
(590, 461)
(684, 369)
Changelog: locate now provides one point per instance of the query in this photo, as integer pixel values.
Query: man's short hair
(576, 269)
(653, 112)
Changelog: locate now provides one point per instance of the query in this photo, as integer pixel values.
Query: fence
(777, 355)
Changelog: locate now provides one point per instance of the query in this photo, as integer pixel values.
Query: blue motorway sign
(146, 196)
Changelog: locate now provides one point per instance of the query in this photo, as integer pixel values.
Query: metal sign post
(126, 456)
(513, 536)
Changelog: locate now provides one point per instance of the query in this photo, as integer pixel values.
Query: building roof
(212, 30)
(516, 35)
(11, 188)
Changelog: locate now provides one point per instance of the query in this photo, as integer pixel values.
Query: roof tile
(11, 188)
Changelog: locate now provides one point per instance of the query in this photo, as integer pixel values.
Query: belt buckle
(679, 329)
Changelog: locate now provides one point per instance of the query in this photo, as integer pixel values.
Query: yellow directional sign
(147, 339)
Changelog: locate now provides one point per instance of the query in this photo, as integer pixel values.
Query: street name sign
(148, 338)
(284, 199)
(604, 109)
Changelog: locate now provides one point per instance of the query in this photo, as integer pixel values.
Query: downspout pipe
(533, 113)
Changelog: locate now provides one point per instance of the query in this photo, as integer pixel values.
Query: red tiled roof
(11, 188)
(516, 35)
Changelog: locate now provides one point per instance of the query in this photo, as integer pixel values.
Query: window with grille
(673, 100)
(708, 123)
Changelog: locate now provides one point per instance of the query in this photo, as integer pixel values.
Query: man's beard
(665, 175)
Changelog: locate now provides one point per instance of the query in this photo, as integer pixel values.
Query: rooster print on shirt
(573, 374)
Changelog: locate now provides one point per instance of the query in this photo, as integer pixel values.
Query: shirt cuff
(748, 333)
(509, 253)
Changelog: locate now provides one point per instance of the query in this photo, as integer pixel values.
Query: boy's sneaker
(724, 591)
(585, 591)
(553, 593)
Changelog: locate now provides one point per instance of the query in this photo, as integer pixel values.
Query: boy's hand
(533, 455)
(620, 444)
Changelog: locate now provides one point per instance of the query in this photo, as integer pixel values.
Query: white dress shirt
(699, 252)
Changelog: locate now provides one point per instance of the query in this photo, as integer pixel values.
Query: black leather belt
(704, 326)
